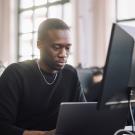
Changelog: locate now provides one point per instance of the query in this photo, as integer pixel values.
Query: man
(31, 91)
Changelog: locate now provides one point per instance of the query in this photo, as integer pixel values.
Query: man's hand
(26, 132)
(51, 132)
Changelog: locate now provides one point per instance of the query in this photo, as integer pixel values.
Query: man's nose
(63, 53)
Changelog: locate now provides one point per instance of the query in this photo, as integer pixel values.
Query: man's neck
(44, 67)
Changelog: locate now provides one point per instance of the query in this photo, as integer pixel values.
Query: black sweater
(27, 102)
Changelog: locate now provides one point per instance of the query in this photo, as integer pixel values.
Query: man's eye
(67, 48)
(56, 47)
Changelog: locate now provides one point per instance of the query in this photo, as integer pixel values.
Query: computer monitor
(119, 70)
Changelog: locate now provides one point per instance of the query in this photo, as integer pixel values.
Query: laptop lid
(82, 118)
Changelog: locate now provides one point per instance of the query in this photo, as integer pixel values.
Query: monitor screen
(119, 67)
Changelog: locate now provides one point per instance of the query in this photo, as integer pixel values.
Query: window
(31, 13)
(125, 12)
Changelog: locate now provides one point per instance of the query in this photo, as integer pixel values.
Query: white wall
(105, 16)
(83, 31)
(4, 30)
(92, 24)
(13, 31)
(7, 31)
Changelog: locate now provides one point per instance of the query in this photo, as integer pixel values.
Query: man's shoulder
(20, 65)
(26, 63)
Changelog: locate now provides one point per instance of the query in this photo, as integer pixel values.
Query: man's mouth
(61, 63)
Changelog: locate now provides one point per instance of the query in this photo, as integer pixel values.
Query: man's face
(55, 49)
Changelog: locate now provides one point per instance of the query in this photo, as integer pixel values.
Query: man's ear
(39, 44)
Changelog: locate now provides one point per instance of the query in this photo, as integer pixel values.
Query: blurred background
(90, 22)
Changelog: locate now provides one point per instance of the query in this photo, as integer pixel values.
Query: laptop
(82, 118)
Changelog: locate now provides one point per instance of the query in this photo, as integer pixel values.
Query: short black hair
(50, 24)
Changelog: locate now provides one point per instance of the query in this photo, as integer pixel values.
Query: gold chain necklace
(48, 83)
